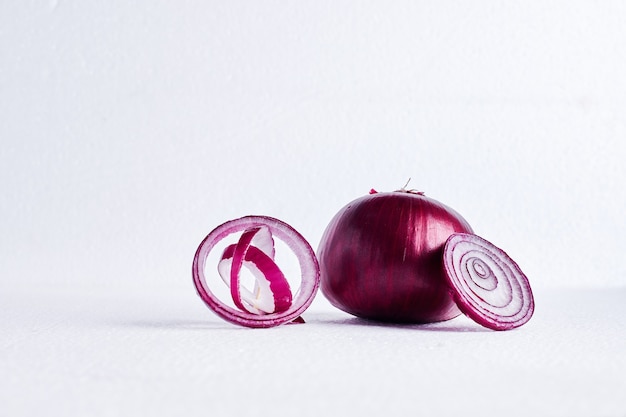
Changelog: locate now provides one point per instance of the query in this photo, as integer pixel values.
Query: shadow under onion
(453, 326)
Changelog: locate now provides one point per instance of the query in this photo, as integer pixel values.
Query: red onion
(488, 286)
(380, 258)
(271, 302)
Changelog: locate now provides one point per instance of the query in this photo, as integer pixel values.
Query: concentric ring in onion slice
(487, 285)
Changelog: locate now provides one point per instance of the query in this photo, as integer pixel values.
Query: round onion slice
(255, 248)
(487, 285)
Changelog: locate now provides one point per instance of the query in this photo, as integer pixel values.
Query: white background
(130, 129)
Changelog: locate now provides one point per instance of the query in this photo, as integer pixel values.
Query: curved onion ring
(255, 251)
(487, 285)
(310, 275)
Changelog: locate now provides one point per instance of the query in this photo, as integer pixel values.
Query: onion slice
(255, 250)
(487, 285)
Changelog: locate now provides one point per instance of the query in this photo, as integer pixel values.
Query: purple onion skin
(380, 258)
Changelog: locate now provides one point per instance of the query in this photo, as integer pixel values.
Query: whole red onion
(381, 258)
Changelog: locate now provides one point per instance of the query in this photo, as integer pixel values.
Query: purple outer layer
(309, 268)
(511, 280)
(380, 258)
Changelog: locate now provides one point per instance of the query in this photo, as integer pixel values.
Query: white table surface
(109, 354)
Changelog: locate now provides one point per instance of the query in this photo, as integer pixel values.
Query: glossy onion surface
(380, 258)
